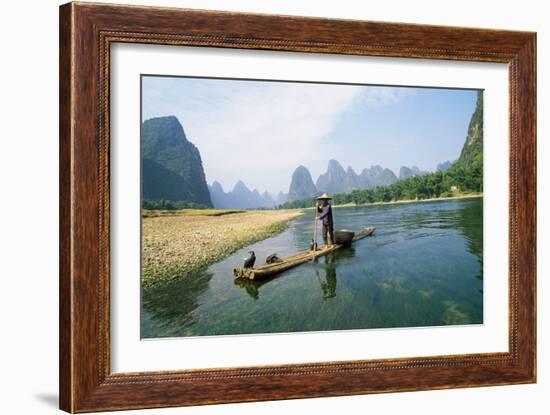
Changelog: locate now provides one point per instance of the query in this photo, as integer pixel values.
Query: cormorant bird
(250, 260)
(272, 259)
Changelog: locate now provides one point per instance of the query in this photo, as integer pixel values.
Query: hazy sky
(259, 132)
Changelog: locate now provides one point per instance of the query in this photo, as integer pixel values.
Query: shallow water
(422, 267)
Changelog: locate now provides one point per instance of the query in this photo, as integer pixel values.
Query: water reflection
(469, 221)
(328, 285)
(251, 287)
(171, 305)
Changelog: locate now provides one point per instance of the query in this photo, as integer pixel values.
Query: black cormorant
(250, 260)
(272, 259)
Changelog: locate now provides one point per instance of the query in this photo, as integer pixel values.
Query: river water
(422, 267)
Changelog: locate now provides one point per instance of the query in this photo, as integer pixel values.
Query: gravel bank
(174, 246)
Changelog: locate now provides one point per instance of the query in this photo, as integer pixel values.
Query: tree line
(458, 179)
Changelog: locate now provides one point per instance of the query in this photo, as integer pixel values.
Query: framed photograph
(258, 207)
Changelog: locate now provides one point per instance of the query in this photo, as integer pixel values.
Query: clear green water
(422, 267)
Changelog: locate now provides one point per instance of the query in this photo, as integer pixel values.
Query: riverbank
(177, 243)
(433, 199)
(397, 202)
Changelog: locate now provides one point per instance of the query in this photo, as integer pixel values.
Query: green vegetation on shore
(455, 196)
(458, 180)
(163, 204)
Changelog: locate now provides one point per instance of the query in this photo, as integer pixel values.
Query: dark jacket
(326, 215)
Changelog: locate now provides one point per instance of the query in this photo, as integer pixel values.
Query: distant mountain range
(338, 180)
(241, 197)
(172, 170)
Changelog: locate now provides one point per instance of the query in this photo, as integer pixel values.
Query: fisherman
(325, 215)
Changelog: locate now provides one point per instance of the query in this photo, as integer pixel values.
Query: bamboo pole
(315, 227)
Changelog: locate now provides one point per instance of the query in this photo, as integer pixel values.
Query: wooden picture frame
(86, 33)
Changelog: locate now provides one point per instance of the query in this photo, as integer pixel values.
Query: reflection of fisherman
(329, 287)
(325, 215)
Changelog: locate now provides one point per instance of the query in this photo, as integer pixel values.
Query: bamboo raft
(269, 270)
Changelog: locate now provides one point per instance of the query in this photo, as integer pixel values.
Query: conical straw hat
(324, 196)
